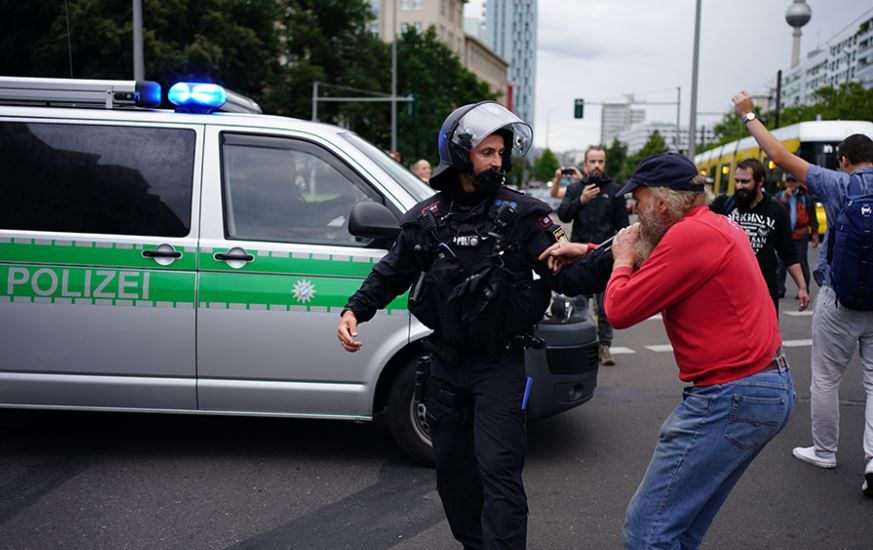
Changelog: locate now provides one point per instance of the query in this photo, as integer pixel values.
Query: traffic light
(579, 108)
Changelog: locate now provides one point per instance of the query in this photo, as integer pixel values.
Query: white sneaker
(808, 455)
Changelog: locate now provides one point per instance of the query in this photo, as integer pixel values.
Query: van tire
(407, 421)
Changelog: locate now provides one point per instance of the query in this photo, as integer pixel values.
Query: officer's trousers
(479, 438)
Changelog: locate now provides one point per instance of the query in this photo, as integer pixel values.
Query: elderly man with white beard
(697, 269)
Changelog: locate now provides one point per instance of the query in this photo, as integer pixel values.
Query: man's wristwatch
(749, 117)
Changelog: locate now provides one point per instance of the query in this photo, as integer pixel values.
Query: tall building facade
(511, 31)
(447, 17)
(846, 57)
(636, 136)
(616, 117)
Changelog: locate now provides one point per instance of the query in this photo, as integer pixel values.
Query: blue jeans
(703, 448)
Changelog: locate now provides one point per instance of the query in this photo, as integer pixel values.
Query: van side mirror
(374, 220)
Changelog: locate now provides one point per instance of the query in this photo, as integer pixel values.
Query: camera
(568, 172)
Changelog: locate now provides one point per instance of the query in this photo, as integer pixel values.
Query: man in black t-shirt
(766, 224)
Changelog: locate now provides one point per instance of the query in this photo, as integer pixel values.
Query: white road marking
(807, 313)
(655, 317)
(619, 350)
(796, 343)
(660, 347)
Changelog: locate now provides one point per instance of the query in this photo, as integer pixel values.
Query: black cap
(665, 170)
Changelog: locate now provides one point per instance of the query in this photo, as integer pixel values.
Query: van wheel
(407, 420)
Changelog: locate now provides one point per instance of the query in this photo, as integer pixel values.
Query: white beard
(652, 230)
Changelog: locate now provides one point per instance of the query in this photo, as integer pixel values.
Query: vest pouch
(482, 309)
(432, 307)
(524, 305)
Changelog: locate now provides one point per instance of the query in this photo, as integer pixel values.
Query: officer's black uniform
(471, 268)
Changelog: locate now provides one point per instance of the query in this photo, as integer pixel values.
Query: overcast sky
(602, 49)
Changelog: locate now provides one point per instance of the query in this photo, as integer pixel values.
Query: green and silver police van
(196, 260)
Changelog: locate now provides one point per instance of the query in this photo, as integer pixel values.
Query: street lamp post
(548, 117)
(138, 66)
(394, 75)
(692, 123)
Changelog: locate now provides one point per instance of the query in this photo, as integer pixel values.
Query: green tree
(520, 175)
(328, 41)
(848, 102)
(431, 72)
(616, 156)
(545, 166)
(270, 50)
(224, 41)
(654, 145)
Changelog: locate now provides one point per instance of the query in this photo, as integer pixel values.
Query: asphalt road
(86, 480)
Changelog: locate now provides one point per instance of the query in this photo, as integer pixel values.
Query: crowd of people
(478, 297)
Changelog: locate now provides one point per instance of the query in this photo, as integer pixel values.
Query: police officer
(468, 252)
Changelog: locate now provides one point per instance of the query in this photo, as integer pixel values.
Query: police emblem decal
(303, 291)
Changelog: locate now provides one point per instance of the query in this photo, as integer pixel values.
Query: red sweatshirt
(705, 281)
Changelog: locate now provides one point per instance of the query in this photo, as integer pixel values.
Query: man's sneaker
(808, 455)
(605, 355)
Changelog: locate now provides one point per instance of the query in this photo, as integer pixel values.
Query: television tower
(798, 15)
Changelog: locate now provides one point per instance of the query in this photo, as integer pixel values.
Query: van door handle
(234, 256)
(161, 254)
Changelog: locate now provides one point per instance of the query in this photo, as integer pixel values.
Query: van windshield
(417, 188)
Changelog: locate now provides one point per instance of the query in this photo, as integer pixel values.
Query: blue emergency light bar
(196, 97)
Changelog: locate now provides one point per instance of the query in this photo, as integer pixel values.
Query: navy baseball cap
(665, 170)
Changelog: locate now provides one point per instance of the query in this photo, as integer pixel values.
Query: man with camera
(598, 212)
(564, 176)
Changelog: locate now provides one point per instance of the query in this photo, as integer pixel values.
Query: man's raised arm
(773, 147)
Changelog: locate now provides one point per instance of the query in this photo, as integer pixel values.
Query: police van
(196, 260)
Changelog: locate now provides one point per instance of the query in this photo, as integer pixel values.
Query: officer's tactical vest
(476, 288)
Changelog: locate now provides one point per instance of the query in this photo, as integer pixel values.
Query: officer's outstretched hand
(562, 253)
(347, 331)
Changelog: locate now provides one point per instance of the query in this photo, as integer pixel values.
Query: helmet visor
(486, 118)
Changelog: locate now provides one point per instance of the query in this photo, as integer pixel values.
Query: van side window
(286, 190)
(96, 179)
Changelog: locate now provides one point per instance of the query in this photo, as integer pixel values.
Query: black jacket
(598, 219)
(399, 268)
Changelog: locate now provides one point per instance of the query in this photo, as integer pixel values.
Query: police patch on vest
(466, 241)
(559, 234)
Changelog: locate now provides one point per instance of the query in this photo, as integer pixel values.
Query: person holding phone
(564, 176)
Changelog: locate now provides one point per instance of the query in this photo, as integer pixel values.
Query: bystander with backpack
(803, 223)
(843, 317)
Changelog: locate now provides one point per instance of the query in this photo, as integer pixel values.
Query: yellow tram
(814, 141)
